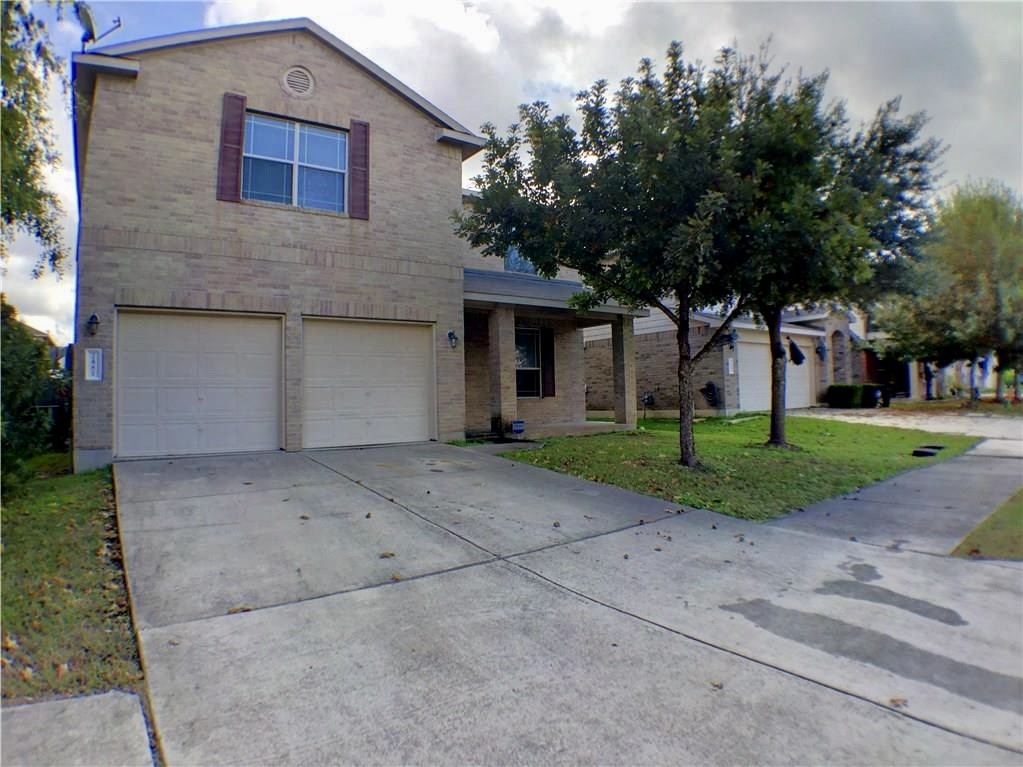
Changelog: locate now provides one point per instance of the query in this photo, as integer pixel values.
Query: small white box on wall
(93, 364)
(730, 364)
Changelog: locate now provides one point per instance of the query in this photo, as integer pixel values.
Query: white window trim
(295, 164)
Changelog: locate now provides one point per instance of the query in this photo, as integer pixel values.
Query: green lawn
(1000, 536)
(65, 628)
(740, 475)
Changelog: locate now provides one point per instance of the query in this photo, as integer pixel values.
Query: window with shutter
(547, 361)
(232, 131)
(359, 174)
(294, 163)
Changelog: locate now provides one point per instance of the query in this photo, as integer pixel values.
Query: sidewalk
(927, 510)
(93, 730)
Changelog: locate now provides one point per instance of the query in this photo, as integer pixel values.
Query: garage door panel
(139, 401)
(178, 403)
(367, 383)
(178, 438)
(184, 386)
(755, 378)
(138, 365)
(177, 366)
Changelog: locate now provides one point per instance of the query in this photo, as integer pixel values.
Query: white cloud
(48, 303)
(961, 62)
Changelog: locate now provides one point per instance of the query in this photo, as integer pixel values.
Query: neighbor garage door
(366, 383)
(191, 383)
(755, 378)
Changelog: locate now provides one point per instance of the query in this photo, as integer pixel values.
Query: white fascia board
(106, 64)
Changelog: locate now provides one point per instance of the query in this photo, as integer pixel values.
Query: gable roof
(116, 59)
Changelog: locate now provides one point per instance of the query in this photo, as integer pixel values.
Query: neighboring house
(734, 376)
(266, 250)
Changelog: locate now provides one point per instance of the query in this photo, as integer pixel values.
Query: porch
(524, 370)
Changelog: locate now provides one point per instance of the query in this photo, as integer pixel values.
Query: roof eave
(470, 143)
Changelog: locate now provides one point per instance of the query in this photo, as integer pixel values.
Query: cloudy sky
(962, 63)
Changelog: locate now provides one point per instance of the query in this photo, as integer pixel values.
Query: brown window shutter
(232, 136)
(547, 361)
(358, 170)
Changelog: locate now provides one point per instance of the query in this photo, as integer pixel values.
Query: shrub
(25, 372)
(853, 395)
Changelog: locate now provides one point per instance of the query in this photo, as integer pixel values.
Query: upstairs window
(516, 262)
(292, 163)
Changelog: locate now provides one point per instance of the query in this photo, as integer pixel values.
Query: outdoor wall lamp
(92, 324)
(822, 350)
(452, 338)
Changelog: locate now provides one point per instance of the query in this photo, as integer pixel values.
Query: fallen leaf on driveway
(369, 514)
(898, 702)
(557, 524)
(395, 576)
(239, 609)
(303, 516)
(718, 685)
(386, 554)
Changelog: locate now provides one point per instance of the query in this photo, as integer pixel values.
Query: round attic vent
(298, 81)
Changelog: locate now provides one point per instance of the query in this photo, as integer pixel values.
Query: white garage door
(367, 383)
(189, 383)
(799, 379)
(755, 378)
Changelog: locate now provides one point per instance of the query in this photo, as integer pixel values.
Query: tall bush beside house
(24, 376)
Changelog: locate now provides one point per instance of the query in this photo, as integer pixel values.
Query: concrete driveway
(527, 616)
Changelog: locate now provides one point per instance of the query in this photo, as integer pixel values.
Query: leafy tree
(839, 213)
(633, 201)
(968, 293)
(24, 369)
(28, 64)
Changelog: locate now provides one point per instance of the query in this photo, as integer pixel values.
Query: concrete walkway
(929, 510)
(106, 729)
(429, 604)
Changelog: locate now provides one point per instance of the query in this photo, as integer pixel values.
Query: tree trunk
(1000, 383)
(686, 401)
(773, 319)
(973, 379)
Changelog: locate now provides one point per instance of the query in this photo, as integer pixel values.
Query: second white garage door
(755, 379)
(366, 383)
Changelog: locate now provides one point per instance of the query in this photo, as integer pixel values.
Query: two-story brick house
(266, 260)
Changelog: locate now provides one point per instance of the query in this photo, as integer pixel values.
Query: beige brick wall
(153, 234)
(657, 372)
(477, 372)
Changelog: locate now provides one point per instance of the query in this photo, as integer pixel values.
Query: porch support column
(503, 400)
(623, 365)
